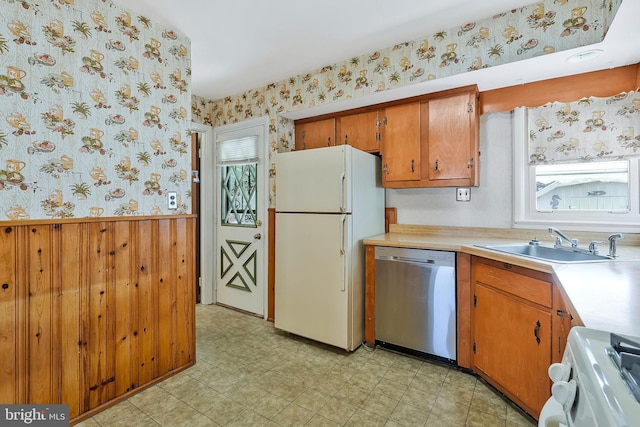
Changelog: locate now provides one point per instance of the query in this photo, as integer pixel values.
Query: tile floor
(249, 374)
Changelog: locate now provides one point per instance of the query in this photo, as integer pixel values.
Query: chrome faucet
(612, 244)
(593, 246)
(561, 236)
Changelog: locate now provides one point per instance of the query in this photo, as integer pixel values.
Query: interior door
(240, 240)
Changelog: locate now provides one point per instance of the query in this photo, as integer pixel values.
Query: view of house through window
(597, 186)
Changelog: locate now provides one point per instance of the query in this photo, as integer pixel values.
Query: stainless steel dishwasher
(415, 301)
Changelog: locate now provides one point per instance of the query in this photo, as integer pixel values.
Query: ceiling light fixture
(585, 56)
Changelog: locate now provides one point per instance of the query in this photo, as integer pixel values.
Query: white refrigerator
(327, 201)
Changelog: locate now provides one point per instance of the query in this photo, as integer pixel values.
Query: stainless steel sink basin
(547, 253)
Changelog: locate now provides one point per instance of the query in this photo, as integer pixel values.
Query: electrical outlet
(463, 194)
(172, 200)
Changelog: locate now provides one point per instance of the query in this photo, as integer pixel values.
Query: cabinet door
(401, 144)
(512, 346)
(321, 133)
(361, 131)
(563, 321)
(452, 138)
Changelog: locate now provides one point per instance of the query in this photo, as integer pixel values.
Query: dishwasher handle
(405, 259)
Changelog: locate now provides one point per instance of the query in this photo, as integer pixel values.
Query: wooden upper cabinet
(316, 134)
(361, 131)
(439, 134)
(401, 144)
(425, 141)
(451, 133)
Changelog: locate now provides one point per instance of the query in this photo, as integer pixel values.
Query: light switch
(172, 200)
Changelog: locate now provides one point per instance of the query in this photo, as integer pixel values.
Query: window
(583, 195)
(239, 194)
(600, 186)
(238, 163)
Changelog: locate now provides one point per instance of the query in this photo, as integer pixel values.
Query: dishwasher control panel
(444, 258)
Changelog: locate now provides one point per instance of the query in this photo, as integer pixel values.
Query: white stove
(597, 384)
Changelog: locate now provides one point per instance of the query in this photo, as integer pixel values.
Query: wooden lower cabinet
(93, 311)
(512, 330)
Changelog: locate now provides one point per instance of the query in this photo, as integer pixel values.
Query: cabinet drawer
(507, 278)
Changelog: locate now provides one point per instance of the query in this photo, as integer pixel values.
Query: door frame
(209, 208)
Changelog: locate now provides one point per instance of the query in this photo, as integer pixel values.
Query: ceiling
(241, 45)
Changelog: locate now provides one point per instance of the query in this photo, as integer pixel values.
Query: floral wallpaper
(538, 29)
(586, 130)
(94, 111)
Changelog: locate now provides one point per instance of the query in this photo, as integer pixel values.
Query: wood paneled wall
(92, 311)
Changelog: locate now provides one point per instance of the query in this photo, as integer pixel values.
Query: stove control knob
(565, 393)
(559, 372)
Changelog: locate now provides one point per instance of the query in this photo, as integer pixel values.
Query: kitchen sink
(548, 253)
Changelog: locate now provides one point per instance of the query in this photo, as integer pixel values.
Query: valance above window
(591, 129)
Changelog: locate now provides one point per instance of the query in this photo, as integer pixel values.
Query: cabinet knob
(470, 163)
(346, 139)
(329, 142)
(412, 165)
(437, 165)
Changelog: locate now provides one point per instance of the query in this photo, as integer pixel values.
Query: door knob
(258, 223)
(257, 236)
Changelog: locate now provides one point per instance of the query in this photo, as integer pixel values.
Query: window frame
(525, 214)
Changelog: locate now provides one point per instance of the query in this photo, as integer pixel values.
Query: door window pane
(239, 194)
(598, 186)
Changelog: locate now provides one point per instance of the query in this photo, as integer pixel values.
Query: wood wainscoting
(94, 310)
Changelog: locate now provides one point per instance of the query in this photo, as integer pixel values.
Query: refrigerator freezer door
(315, 180)
(313, 293)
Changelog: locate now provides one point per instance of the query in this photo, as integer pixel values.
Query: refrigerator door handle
(342, 192)
(343, 223)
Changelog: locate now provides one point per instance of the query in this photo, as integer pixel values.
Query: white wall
(491, 203)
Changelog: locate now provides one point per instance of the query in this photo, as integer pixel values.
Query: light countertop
(604, 295)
